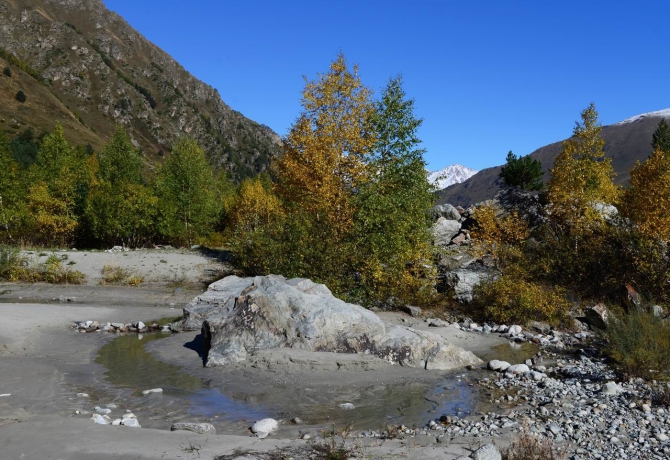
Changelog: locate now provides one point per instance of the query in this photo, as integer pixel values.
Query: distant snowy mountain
(454, 174)
(665, 113)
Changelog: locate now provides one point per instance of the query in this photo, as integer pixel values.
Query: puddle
(513, 353)
(239, 397)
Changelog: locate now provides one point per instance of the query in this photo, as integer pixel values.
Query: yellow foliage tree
(581, 178)
(647, 200)
(253, 207)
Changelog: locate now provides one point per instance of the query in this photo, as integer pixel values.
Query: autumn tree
(321, 166)
(186, 193)
(581, 179)
(394, 250)
(52, 194)
(523, 172)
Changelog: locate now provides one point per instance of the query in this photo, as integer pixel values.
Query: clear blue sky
(487, 76)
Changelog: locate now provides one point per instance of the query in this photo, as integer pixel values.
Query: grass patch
(334, 445)
(15, 268)
(529, 446)
(639, 342)
(114, 274)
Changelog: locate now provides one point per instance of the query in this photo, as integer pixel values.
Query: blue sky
(487, 76)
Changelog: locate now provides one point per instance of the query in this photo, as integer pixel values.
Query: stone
(611, 388)
(414, 312)
(102, 410)
(117, 422)
(131, 422)
(271, 312)
(82, 395)
(141, 326)
(346, 406)
(537, 326)
(487, 452)
(518, 369)
(199, 428)
(267, 425)
(445, 230)
(657, 310)
(99, 419)
(597, 315)
(464, 280)
(445, 211)
(499, 366)
(514, 330)
(153, 390)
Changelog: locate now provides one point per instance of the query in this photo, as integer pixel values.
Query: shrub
(7, 71)
(510, 299)
(114, 274)
(21, 96)
(529, 446)
(639, 342)
(53, 272)
(10, 263)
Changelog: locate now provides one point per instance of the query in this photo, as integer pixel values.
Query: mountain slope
(106, 73)
(453, 174)
(626, 142)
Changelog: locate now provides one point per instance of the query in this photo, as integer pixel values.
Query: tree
(11, 192)
(321, 166)
(581, 179)
(647, 199)
(7, 71)
(21, 96)
(523, 172)
(187, 198)
(119, 161)
(394, 249)
(661, 137)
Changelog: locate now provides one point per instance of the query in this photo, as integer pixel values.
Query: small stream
(130, 366)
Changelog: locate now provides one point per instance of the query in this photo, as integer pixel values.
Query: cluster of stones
(95, 326)
(102, 415)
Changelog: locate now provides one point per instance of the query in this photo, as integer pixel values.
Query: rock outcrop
(243, 315)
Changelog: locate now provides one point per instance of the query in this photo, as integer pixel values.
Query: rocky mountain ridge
(626, 142)
(106, 73)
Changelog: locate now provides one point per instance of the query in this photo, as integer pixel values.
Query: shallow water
(411, 401)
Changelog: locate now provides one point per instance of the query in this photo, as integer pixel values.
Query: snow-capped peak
(665, 113)
(454, 174)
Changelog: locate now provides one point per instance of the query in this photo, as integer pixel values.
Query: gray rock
(415, 312)
(657, 310)
(100, 420)
(518, 369)
(447, 211)
(445, 230)
(487, 452)
(267, 425)
(346, 406)
(153, 390)
(272, 312)
(200, 428)
(514, 330)
(131, 422)
(499, 366)
(597, 316)
(612, 388)
(464, 280)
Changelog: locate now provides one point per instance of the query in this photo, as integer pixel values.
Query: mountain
(626, 142)
(454, 174)
(84, 66)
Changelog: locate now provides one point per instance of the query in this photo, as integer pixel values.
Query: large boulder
(464, 280)
(445, 230)
(218, 300)
(272, 312)
(447, 211)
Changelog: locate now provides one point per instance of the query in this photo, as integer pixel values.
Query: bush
(639, 342)
(7, 71)
(529, 446)
(10, 263)
(21, 96)
(113, 274)
(509, 299)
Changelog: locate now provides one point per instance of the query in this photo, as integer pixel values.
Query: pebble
(153, 390)
(346, 406)
(130, 422)
(267, 426)
(4, 395)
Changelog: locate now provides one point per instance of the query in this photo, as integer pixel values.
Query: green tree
(581, 178)
(12, 194)
(661, 137)
(186, 193)
(7, 71)
(119, 161)
(523, 172)
(21, 96)
(394, 248)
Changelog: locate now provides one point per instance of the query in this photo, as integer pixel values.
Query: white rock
(99, 419)
(153, 390)
(4, 395)
(496, 365)
(515, 330)
(131, 422)
(347, 406)
(537, 376)
(102, 410)
(128, 415)
(487, 452)
(117, 422)
(200, 428)
(141, 326)
(267, 425)
(611, 388)
(518, 369)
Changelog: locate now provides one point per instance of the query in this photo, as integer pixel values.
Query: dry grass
(15, 268)
(114, 274)
(529, 446)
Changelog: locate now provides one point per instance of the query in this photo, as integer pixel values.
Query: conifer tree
(523, 172)
(661, 137)
(581, 178)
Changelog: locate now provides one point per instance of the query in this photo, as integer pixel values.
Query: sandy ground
(44, 364)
